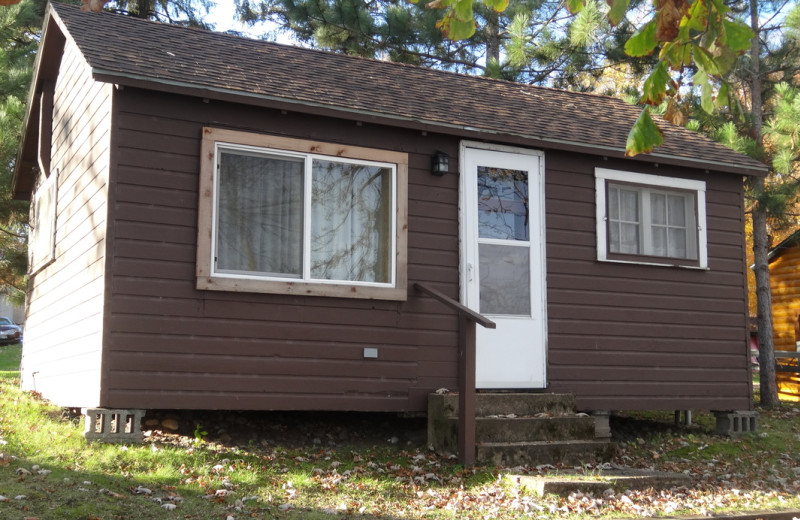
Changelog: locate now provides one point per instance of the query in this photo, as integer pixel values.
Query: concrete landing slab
(755, 515)
(565, 482)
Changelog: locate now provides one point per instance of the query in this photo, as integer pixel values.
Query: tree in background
(177, 12)
(762, 121)
(20, 28)
(532, 41)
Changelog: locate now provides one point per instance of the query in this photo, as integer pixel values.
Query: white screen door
(502, 262)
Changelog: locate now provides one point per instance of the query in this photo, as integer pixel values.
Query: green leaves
(618, 10)
(736, 36)
(458, 22)
(498, 5)
(706, 92)
(687, 35)
(575, 6)
(783, 130)
(643, 42)
(586, 24)
(655, 86)
(644, 135)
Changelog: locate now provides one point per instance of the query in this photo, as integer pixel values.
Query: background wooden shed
(784, 272)
(117, 118)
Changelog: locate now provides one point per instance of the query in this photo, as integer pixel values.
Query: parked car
(10, 332)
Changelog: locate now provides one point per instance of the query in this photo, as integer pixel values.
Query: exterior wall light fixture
(440, 163)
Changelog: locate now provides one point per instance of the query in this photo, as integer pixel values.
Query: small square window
(291, 216)
(650, 219)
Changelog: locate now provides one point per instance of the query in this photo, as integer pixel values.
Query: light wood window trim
(206, 280)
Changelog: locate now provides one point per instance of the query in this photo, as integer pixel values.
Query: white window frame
(605, 176)
(208, 278)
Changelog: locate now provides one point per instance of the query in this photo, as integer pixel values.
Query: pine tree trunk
(766, 349)
(492, 36)
(766, 353)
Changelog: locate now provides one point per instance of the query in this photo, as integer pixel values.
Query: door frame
(536, 193)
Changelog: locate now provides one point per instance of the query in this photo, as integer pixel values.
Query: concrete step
(516, 429)
(501, 403)
(526, 429)
(565, 482)
(569, 452)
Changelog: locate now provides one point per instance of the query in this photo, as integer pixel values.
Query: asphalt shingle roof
(166, 57)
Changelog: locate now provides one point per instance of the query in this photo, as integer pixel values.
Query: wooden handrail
(456, 306)
(467, 318)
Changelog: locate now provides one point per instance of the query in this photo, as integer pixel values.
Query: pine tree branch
(11, 233)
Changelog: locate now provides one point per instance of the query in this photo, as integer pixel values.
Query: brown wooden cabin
(223, 223)
(784, 273)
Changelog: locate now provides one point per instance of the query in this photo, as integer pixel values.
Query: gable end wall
(62, 350)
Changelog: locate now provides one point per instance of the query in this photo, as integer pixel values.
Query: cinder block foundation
(113, 426)
(734, 424)
(602, 424)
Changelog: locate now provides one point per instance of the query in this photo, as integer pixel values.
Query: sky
(223, 16)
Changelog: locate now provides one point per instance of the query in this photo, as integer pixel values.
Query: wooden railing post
(466, 391)
(467, 318)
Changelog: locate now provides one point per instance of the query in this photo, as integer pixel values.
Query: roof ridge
(174, 58)
(339, 55)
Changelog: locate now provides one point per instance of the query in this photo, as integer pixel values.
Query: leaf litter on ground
(311, 465)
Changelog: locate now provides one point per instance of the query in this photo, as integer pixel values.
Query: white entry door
(502, 262)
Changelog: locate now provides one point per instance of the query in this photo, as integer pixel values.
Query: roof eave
(231, 95)
(52, 40)
(785, 244)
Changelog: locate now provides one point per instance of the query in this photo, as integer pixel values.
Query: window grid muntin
(308, 164)
(645, 224)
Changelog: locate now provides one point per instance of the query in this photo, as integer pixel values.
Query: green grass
(315, 481)
(96, 481)
(10, 357)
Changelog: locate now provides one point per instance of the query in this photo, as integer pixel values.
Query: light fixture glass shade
(440, 163)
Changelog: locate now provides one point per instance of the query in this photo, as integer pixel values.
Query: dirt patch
(290, 430)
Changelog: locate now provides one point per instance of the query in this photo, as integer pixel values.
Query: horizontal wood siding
(644, 337)
(63, 330)
(172, 346)
(784, 274)
(620, 336)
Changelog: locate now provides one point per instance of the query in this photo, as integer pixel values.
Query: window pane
(613, 237)
(677, 243)
(351, 222)
(260, 214)
(658, 208)
(629, 205)
(677, 210)
(505, 280)
(629, 239)
(660, 246)
(613, 203)
(502, 203)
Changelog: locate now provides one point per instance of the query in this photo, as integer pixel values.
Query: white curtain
(260, 214)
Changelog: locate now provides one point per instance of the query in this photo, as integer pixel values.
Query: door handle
(470, 271)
